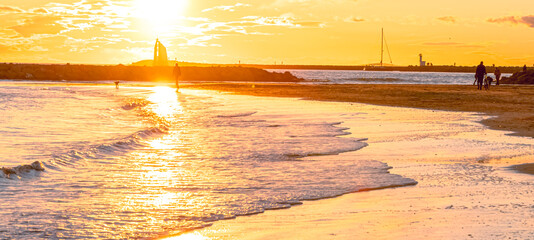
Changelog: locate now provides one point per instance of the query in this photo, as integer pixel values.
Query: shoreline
(461, 193)
(443, 204)
(512, 106)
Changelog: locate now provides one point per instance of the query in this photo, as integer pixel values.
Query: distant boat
(382, 42)
(382, 50)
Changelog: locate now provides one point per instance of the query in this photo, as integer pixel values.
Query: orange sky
(344, 32)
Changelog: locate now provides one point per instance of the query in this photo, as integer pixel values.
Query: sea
(146, 161)
(383, 77)
(83, 160)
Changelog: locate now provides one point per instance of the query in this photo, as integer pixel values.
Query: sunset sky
(343, 32)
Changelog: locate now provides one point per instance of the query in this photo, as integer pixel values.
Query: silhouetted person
(525, 68)
(176, 73)
(117, 84)
(480, 74)
(497, 76)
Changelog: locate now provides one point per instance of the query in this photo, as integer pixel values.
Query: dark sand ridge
(512, 105)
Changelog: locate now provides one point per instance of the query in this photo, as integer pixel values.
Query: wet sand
(512, 106)
(466, 187)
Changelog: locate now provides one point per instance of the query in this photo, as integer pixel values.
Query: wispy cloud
(39, 25)
(202, 41)
(449, 19)
(230, 8)
(452, 44)
(281, 22)
(527, 20)
(272, 21)
(10, 9)
(39, 11)
(354, 19)
(54, 28)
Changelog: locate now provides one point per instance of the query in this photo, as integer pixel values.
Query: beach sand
(462, 193)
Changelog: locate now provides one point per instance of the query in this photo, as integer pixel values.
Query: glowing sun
(160, 14)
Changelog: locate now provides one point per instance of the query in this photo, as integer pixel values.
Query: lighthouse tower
(421, 62)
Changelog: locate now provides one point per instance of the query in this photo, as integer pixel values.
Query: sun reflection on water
(165, 101)
(188, 236)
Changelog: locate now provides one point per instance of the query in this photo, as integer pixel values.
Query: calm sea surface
(383, 77)
(146, 161)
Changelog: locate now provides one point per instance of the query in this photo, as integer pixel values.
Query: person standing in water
(176, 73)
(480, 74)
(497, 75)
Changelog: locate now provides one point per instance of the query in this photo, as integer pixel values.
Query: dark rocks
(520, 78)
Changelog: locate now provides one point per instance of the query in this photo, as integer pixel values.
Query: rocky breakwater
(523, 77)
(71, 72)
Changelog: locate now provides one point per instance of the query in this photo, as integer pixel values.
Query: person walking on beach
(525, 68)
(176, 73)
(480, 74)
(497, 75)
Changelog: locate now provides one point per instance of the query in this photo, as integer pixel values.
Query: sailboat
(160, 54)
(382, 41)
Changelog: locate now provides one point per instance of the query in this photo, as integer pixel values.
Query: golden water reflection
(188, 236)
(166, 103)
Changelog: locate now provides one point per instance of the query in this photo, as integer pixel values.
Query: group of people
(482, 80)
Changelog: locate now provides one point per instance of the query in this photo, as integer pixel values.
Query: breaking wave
(107, 148)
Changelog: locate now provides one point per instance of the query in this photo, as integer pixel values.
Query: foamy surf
(22, 170)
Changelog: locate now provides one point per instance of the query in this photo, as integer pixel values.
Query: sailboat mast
(382, 48)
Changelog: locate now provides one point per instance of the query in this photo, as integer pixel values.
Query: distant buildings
(160, 54)
(421, 62)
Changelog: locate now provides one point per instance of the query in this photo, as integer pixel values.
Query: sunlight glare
(161, 15)
(165, 102)
(188, 236)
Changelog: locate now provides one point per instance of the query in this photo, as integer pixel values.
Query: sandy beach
(475, 193)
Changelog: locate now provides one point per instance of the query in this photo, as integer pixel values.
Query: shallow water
(146, 161)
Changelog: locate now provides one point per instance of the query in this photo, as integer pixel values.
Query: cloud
(201, 41)
(281, 22)
(39, 25)
(310, 24)
(39, 10)
(226, 8)
(449, 19)
(510, 19)
(455, 44)
(9, 9)
(354, 19)
(272, 21)
(527, 20)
